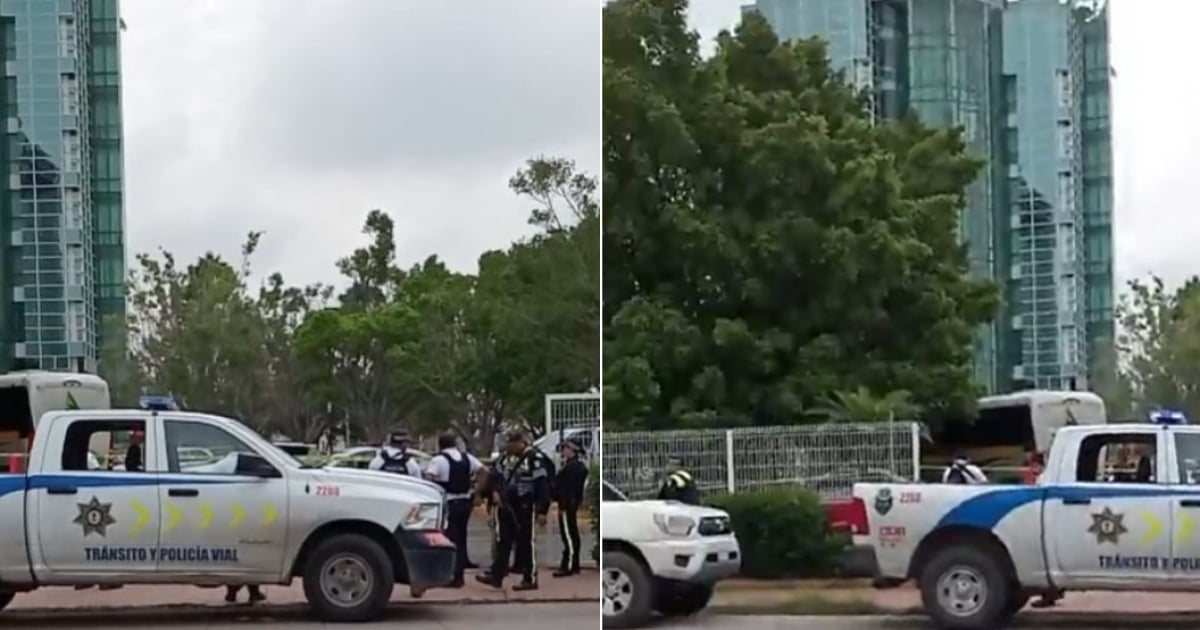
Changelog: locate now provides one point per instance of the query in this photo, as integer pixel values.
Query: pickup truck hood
(426, 491)
(662, 507)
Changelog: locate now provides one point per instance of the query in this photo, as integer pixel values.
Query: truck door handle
(183, 492)
(1076, 501)
(1192, 503)
(62, 490)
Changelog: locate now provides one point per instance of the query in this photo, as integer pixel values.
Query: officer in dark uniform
(679, 486)
(524, 503)
(453, 469)
(569, 485)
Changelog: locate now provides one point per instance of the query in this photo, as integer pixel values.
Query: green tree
(766, 244)
(1159, 347)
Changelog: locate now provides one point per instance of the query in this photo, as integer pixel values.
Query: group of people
(518, 489)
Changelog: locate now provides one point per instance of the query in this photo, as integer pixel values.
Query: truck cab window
(201, 448)
(104, 445)
(1187, 452)
(1118, 458)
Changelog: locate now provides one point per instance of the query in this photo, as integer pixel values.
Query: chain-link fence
(572, 411)
(828, 459)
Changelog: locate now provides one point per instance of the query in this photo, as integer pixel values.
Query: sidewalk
(747, 595)
(582, 587)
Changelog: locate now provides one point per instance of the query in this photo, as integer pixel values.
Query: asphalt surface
(772, 622)
(549, 544)
(576, 616)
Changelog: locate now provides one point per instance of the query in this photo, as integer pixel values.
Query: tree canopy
(768, 247)
(1157, 361)
(420, 346)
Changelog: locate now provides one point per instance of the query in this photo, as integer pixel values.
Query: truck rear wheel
(348, 578)
(964, 588)
(628, 591)
(6, 598)
(682, 599)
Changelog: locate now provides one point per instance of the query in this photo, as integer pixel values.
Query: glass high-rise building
(1027, 80)
(62, 259)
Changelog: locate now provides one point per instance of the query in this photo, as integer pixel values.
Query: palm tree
(862, 405)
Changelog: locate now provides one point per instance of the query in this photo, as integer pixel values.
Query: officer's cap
(572, 444)
(398, 435)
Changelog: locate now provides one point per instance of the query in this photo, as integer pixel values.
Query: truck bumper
(701, 561)
(429, 557)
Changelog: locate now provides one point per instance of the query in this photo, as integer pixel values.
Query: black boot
(490, 580)
(526, 585)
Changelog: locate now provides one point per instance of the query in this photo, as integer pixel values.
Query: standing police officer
(453, 469)
(394, 457)
(679, 485)
(524, 503)
(569, 485)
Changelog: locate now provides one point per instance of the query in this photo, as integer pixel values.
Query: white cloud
(299, 116)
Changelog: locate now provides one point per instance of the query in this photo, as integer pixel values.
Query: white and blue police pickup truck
(661, 556)
(251, 515)
(1116, 508)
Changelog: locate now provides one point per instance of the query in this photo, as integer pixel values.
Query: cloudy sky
(1156, 138)
(297, 117)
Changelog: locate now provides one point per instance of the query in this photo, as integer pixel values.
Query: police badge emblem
(884, 501)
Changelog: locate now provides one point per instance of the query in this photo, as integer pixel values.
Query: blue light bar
(158, 402)
(1168, 416)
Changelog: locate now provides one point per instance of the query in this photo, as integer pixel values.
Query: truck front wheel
(348, 578)
(6, 598)
(681, 599)
(628, 591)
(964, 588)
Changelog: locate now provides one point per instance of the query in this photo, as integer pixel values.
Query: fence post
(729, 477)
(916, 450)
(548, 398)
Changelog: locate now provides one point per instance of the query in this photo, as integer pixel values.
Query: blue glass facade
(48, 213)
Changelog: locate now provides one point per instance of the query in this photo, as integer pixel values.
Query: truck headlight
(424, 516)
(674, 525)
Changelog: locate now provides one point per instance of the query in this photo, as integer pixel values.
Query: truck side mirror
(253, 465)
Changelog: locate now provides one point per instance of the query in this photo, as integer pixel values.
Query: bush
(782, 533)
(593, 502)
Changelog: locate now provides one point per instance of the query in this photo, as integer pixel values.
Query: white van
(26, 396)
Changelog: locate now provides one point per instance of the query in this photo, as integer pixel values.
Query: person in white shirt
(962, 471)
(93, 462)
(454, 470)
(394, 457)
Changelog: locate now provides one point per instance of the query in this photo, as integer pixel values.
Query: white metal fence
(572, 411)
(827, 459)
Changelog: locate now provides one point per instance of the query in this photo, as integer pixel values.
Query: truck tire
(628, 591)
(6, 598)
(964, 588)
(348, 578)
(682, 599)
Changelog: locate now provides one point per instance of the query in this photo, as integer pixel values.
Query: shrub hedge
(782, 533)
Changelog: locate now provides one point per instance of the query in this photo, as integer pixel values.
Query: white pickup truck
(254, 516)
(661, 556)
(1116, 508)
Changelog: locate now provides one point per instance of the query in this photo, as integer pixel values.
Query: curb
(1078, 620)
(31, 617)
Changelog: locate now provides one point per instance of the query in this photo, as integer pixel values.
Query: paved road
(1083, 622)
(549, 545)
(582, 616)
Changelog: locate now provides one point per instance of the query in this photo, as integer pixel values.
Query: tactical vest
(398, 465)
(458, 479)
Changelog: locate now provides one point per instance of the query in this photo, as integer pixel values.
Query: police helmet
(572, 444)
